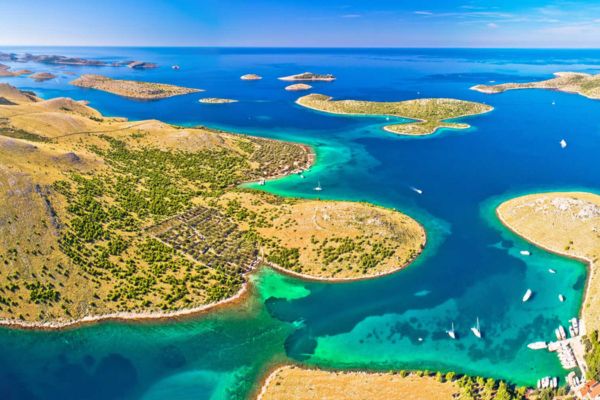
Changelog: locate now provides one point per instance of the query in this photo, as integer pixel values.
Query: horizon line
(302, 47)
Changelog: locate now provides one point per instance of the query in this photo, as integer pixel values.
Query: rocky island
(5, 71)
(309, 76)
(118, 219)
(431, 114)
(75, 61)
(132, 89)
(587, 85)
(298, 87)
(216, 100)
(42, 76)
(251, 77)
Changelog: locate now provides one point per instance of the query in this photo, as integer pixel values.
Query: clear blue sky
(322, 23)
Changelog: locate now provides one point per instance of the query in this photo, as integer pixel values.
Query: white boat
(175, 67)
(563, 334)
(476, 330)
(563, 143)
(551, 271)
(414, 189)
(555, 382)
(527, 295)
(553, 103)
(301, 176)
(262, 182)
(525, 253)
(451, 332)
(561, 298)
(537, 345)
(318, 188)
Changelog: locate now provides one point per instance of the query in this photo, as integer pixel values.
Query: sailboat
(416, 190)
(318, 188)
(563, 143)
(476, 330)
(451, 332)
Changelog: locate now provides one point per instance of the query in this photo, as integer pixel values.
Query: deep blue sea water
(471, 266)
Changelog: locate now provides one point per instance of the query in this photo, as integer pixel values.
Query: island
(566, 223)
(42, 76)
(308, 76)
(216, 100)
(75, 61)
(250, 77)
(430, 114)
(291, 382)
(5, 71)
(105, 218)
(587, 85)
(298, 87)
(132, 89)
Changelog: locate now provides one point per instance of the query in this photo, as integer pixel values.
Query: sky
(301, 23)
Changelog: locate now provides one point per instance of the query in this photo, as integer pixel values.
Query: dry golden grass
(295, 383)
(348, 231)
(572, 82)
(133, 89)
(46, 146)
(565, 223)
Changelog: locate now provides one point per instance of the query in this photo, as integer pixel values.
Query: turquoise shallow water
(471, 266)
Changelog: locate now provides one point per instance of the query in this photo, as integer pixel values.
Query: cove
(471, 266)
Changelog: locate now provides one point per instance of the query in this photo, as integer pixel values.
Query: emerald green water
(470, 268)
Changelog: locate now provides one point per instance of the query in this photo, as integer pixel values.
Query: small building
(590, 390)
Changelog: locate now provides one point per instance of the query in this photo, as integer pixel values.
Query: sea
(472, 267)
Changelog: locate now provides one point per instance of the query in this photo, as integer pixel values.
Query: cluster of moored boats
(476, 330)
(529, 292)
(547, 382)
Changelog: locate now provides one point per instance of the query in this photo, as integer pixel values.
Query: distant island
(566, 223)
(309, 76)
(431, 114)
(42, 76)
(587, 85)
(5, 71)
(63, 60)
(132, 89)
(250, 77)
(298, 87)
(92, 196)
(216, 100)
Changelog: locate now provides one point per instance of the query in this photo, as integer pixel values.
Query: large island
(108, 218)
(587, 85)
(132, 89)
(431, 114)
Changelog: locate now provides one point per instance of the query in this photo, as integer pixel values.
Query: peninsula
(565, 223)
(297, 383)
(216, 100)
(430, 114)
(250, 77)
(587, 85)
(298, 87)
(308, 76)
(106, 218)
(132, 89)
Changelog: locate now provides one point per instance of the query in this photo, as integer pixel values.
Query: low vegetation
(587, 85)
(103, 215)
(431, 114)
(133, 89)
